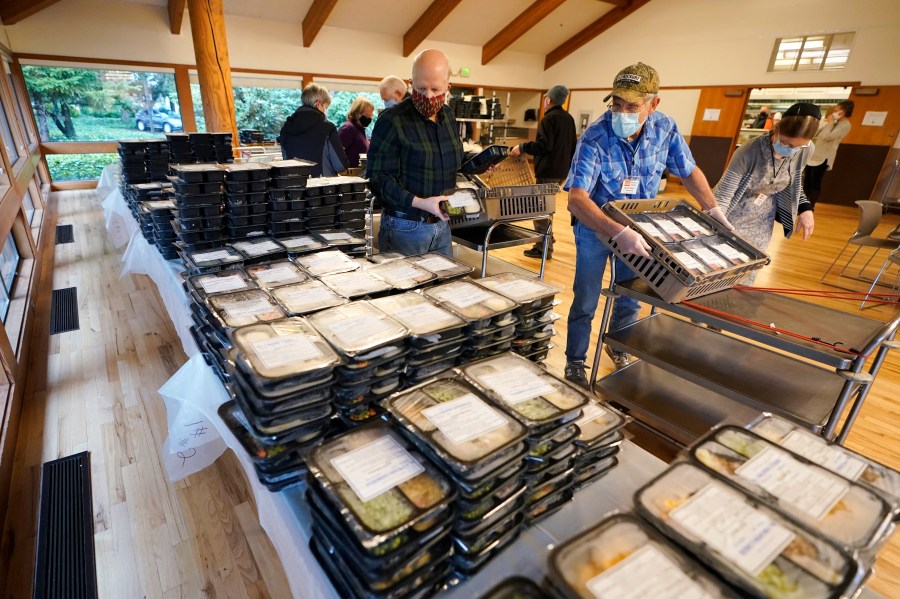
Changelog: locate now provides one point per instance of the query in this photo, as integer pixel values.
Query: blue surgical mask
(390, 102)
(783, 150)
(626, 124)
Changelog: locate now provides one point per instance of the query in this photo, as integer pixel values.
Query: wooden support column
(185, 99)
(213, 67)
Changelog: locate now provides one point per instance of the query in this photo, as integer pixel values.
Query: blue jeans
(410, 237)
(591, 256)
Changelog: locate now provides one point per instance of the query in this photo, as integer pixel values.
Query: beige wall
(680, 104)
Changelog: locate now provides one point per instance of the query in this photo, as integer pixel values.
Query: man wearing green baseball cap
(621, 155)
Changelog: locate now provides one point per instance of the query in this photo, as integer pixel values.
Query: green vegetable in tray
(535, 409)
(776, 581)
(382, 513)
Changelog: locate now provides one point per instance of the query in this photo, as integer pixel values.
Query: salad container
(241, 308)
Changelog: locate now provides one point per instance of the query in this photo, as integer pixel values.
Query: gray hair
(392, 84)
(558, 94)
(313, 93)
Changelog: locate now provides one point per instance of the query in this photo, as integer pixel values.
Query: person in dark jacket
(308, 135)
(552, 149)
(353, 131)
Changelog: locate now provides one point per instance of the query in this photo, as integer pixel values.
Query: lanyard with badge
(762, 197)
(630, 184)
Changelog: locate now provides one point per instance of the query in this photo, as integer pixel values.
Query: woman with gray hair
(309, 135)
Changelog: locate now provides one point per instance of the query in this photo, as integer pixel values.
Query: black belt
(418, 216)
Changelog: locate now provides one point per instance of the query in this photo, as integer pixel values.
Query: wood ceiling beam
(13, 11)
(315, 18)
(176, 15)
(591, 31)
(530, 17)
(425, 24)
(619, 3)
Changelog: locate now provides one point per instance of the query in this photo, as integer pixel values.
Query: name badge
(759, 199)
(630, 186)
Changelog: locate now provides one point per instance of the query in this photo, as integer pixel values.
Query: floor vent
(65, 564)
(64, 234)
(64, 310)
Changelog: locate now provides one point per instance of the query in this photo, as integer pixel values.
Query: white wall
(4, 39)
(680, 104)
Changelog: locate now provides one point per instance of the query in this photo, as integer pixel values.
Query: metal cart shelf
(503, 234)
(753, 371)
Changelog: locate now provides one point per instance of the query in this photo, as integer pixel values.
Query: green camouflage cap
(634, 82)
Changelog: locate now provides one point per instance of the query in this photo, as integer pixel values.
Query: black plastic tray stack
(133, 158)
(321, 197)
(161, 214)
(352, 205)
(212, 147)
(180, 149)
(286, 195)
(251, 137)
(199, 223)
(245, 199)
(157, 159)
(601, 433)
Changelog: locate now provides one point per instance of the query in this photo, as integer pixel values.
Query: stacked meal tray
(299, 245)
(548, 407)
(161, 214)
(281, 375)
(352, 204)
(136, 195)
(480, 446)
(490, 323)
(180, 149)
(446, 269)
(374, 348)
(536, 299)
(399, 273)
(212, 147)
(600, 436)
(199, 220)
(132, 157)
(245, 199)
(349, 242)
(157, 159)
(321, 196)
(381, 515)
(257, 250)
(435, 334)
(287, 206)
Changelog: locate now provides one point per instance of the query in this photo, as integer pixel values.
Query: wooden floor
(95, 389)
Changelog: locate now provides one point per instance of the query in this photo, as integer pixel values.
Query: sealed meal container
(838, 459)
(387, 493)
(461, 205)
(401, 275)
(241, 308)
(444, 267)
(460, 426)
(302, 422)
(224, 281)
(213, 260)
(340, 238)
(515, 588)
(849, 514)
(428, 323)
(268, 456)
(358, 328)
(541, 449)
(622, 557)
(538, 399)
(476, 305)
(302, 244)
(276, 274)
(306, 297)
(530, 293)
(290, 168)
(747, 543)
(586, 474)
(198, 173)
(356, 283)
(246, 171)
(597, 422)
(327, 263)
(261, 248)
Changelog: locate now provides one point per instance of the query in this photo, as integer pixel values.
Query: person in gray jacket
(833, 129)
(763, 182)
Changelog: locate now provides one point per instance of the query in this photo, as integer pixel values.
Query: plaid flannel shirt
(411, 156)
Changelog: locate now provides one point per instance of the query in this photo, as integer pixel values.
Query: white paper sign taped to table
(377, 467)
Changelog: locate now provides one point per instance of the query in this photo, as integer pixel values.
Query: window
(14, 91)
(28, 206)
(811, 53)
(78, 167)
(343, 92)
(6, 133)
(9, 264)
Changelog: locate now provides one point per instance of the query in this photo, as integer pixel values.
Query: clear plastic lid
(194, 168)
(216, 257)
(245, 166)
(458, 422)
(284, 348)
(382, 257)
(523, 290)
(378, 482)
(471, 302)
(621, 557)
(244, 307)
(533, 394)
(441, 265)
(597, 421)
(276, 274)
(747, 543)
(355, 283)
(307, 297)
(418, 314)
(849, 514)
(328, 262)
(358, 327)
(302, 243)
(401, 274)
(159, 205)
(290, 163)
(224, 281)
(340, 238)
(252, 248)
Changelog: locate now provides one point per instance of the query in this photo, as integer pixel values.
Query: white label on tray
(210, 256)
(721, 519)
(436, 264)
(517, 384)
(692, 225)
(591, 412)
(520, 289)
(354, 283)
(463, 296)
(329, 260)
(299, 241)
(256, 249)
(709, 257)
(239, 310)
(310, 295)
(400, 272)
(730, 253)
(280, 351)
(464, 418)
(461, 199)
(423, 315)
(817, 450)
(335, 236)
(376, 467)
(647, 572)
(278, 274)
(652, 231)
(220, 284)
(669, 227)
(354, 330)
(689, 261)
(809, 490)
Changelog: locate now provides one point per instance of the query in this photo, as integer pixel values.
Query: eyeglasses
(806, 145)
(628, 108)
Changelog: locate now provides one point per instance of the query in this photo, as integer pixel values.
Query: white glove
(717, 214)
(631, 242)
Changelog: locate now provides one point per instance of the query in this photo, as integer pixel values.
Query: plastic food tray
(511, 202)
(669, 278)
